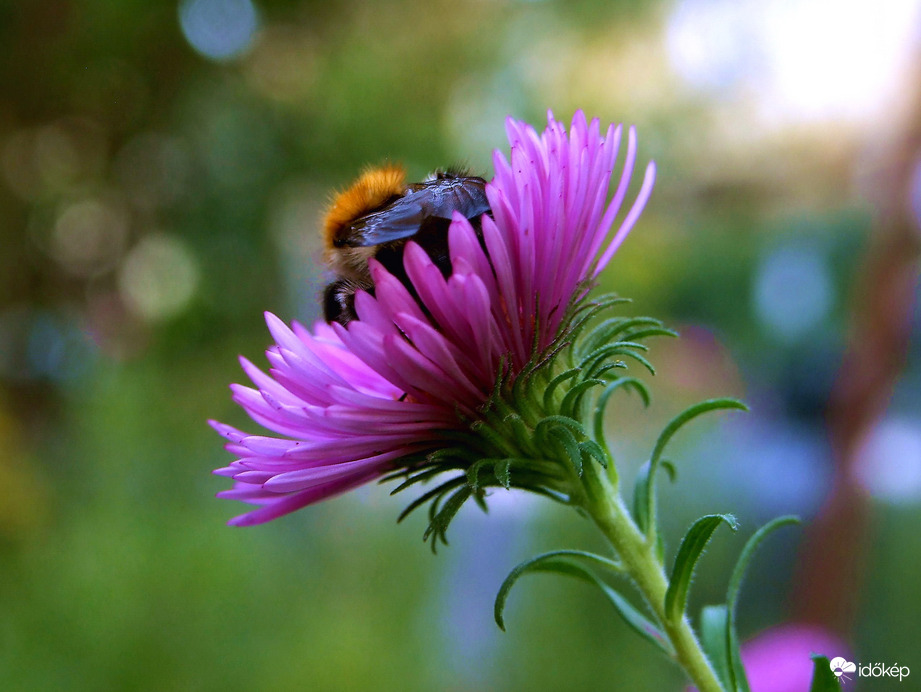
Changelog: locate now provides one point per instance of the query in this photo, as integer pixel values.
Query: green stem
(638, 556)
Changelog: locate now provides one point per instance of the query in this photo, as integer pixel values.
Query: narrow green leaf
(642, 508)
(689, 414)
(540, 563)
(638, 622)
(669, 469)
(692, 546)
(660, 547)
(568, 562)
(823, 679)
(673, 427)
(745, 558)
(714, 625)
(737, 670)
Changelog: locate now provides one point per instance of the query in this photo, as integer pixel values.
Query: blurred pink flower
(778, 659)
(351, 402)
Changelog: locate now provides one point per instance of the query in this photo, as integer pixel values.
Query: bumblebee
(378, 214)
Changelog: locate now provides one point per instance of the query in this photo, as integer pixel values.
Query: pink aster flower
(419, 369)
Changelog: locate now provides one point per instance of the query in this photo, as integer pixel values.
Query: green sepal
(556, 382)
(569, 444)
(431, 495)
(590, 448)
(503, 471)
(823, 679)
(563, 430)
(714, 626)
(473, 471)
(692, 546)
(606, 331)
(567, 562)
(495, 439)
(601, 373)
(441, 515)
(641, 360)
(599, 356)
(520, 432)
(571, 402)
(420, 477)
(602, 403)
(583, 315)
(646, 333)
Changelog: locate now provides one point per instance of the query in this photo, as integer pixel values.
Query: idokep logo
(841, 667)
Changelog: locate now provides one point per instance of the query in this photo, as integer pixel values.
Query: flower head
(438, 361)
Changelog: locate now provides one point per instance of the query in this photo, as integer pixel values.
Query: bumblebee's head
(374, 189)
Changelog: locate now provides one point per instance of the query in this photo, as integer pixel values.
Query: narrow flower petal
(347, 405)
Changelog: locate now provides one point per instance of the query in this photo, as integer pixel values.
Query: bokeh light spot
(41, 345)
(793, 291)
(889, 464)
(89, 237)
(804, 60)
(218, 29)
(283, 65)
(158, 277)
(709, 43)
(17, 161)
(154, 169)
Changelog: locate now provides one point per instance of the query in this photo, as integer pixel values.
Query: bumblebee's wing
(401, 219)
(437, 199)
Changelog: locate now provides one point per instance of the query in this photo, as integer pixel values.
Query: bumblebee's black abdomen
(422, 214)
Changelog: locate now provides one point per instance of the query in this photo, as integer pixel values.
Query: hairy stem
(640, 561)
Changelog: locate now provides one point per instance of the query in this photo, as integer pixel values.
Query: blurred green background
(163, 167)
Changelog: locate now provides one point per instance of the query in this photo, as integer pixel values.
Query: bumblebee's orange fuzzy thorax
(371, 191)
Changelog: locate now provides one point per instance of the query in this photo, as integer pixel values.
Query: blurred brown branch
(830, 574)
